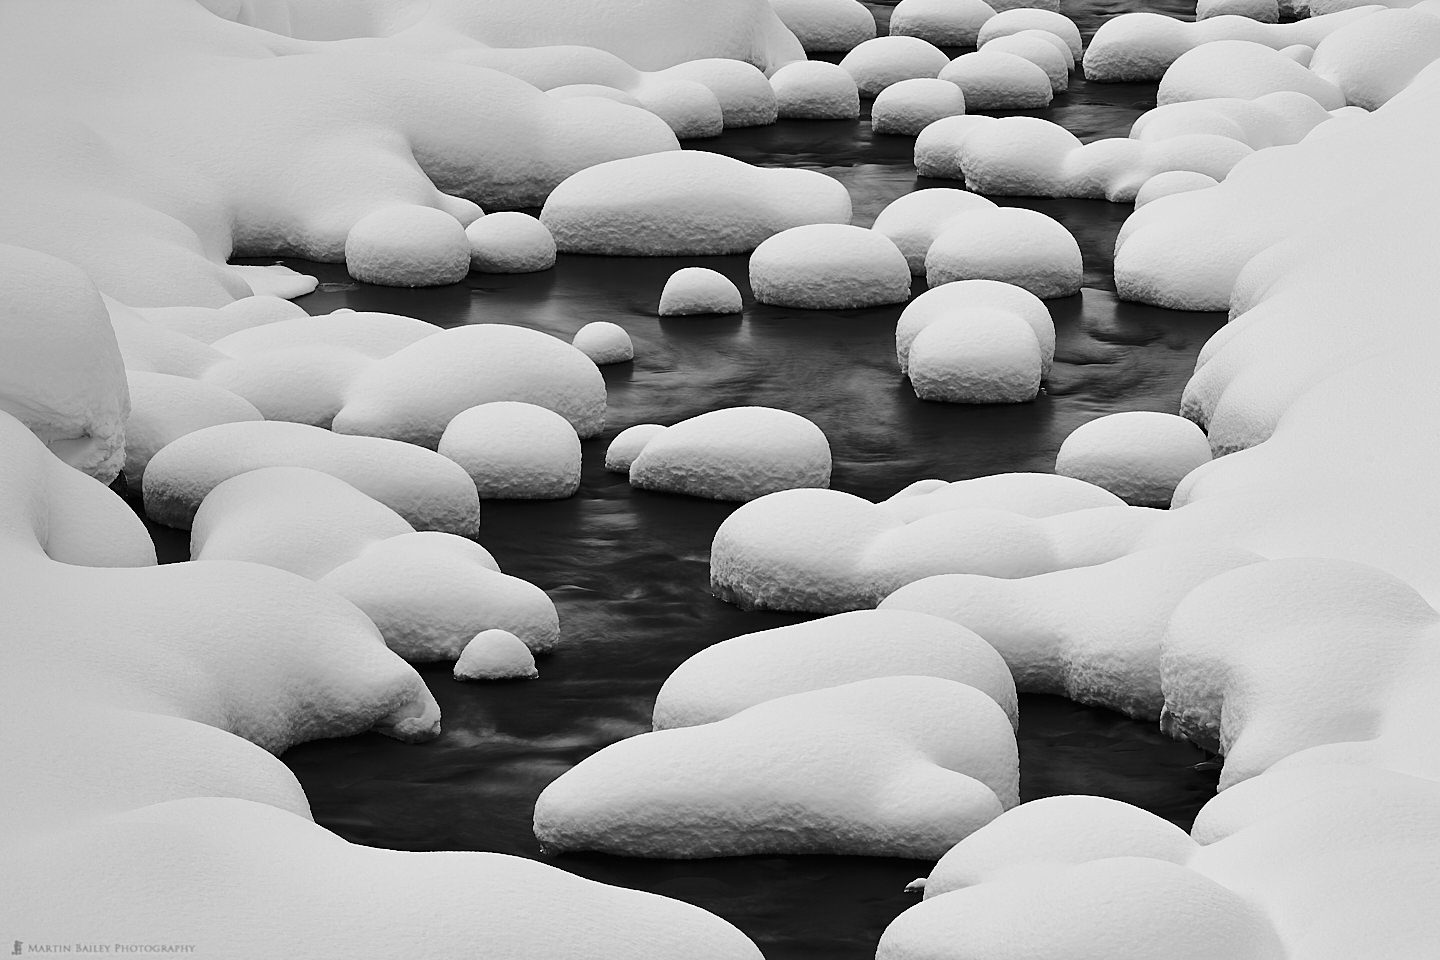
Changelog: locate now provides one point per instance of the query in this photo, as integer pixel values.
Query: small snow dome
(913, 220)
(1032, 45)
(627, 445)
(965, 296)
(1172, 181)
(878, 63)
(1010, 244)
(510, 242)
(699, 290)
(1033, 18)
(1140, 456)
(496, 655)
(829, 266)
(994, 80)
(982, 355)
(604, 342)
(907, 107)
(1262, 11)
(937, 148)
(815, 90)
(826, 26)
(945, 23)
(515, 451)
(407, 246)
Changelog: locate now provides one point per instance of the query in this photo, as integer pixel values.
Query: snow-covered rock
(496, 655)
(1274, 119)
(815, 90)
(913, 220)
(699, 290)
(1261, 11)
(892, 766)
(825, 26)
(955, 300)
(164, 408)
(1017, 19)
(515, 451)
(829, 267)
(878, 63)
(938, 148)
(994, 80)
(1045, 50)
(1242, 69)
(604, 342)
(627, 446)
(1375, 58)
(1139, 455)
(1171, 182)
(1010, 244)
(907, 107)
(738, 673)
(420, 485)
(687, 202)
(407, 246)
(945, 23)
(510, 242)
(738, 453)
(982, 355)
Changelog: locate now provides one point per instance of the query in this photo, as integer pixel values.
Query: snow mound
(1140, 455)
(945, 23)
(510, 242)
(739, 453)
(1091, 633)
(61, 371)
(420, 485)
(907, 107)
(208, 324)
(1261, 11)
(1045, 50)
(914, 220)
(1018, 19)
(374, 335)
(829, 266)
(938, 148)
(824, 551)
(1012, 245)
(738, 673)
(994, 80)
(1171, 182)
(687, 202)
(983, 355)
(878, 63)
(496, 655)
(826, 26)
(407, 246)
(627, 446)
(165, 408)
(894, 766)
(515, 451)
(1375, 58)
(1242, 69)
(815, 90)
(699, 290)
(604, 343)
(413, 394)
(742, 91)
(955, 300)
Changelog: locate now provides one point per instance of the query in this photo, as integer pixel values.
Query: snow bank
(510, 242)
(829, 266)
(955, 300)
(627, 446)
(515, 451)
(1018, 19)
(994, 80)
(1242, 69)
(739, 453)
(945, 23)
(1375, 58)
(826, 26)
(738, 673)
(604, 343)
(913, 220)
(893, 766)
(1010, 244)
(878, 63)
(907, 107)
(428, 490)
(815, 90)
(496, 655)
(692, 290)
(689, 202)
(982, 356)
(408, 246)
(1140, 455)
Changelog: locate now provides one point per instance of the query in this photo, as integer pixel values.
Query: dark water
(628, 570)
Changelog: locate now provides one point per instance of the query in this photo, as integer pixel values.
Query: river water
(629, 572)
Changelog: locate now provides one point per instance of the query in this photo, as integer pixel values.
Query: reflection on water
(629, 570)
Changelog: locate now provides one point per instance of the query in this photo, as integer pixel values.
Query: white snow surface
(878, 63)
(945, 23)
(687, 203)
(907, 107)
(1017, 19)
(954, 300)
(738, 453)
(510, 242)
(604, 343)
(912, 221)
(165, 408)
(983, 355)
(738, 673)
(496, 655)
(815, 90)
(1009, 244)
(1171, 182)
(1045, 50)
(889, 766)
(407, 246)
(994, 80)
(826, 26)
(699, 290)
(1244, 70)
(515, 451)
(1139, 455)
(627, 445)
(829, 266)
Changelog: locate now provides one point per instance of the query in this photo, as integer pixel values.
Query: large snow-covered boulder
(878, 63)
(739, 453)
(815, 90)
(687, 202)
(1045, 50)
(907, 107)
(945, 23)
(914, 220)
(982, 355)
(1010, 244)
(992, 79)
(407, 246)
(892, 766)
(699, 290)
(955, 300)
(1242, 69)
(826, 26)
(510, 242)
(829, 266)
(165, 408)
(515, 451)
(1140, 455)
(1017, 19)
